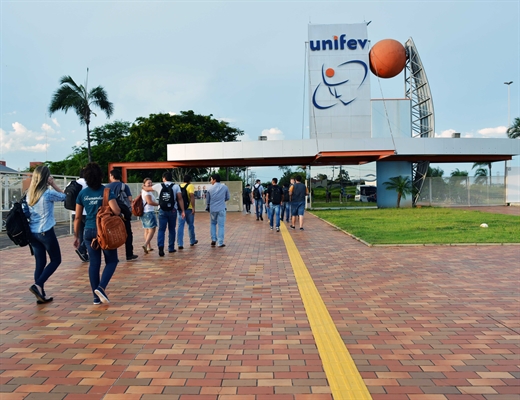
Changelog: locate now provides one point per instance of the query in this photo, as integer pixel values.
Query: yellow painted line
(343, 376)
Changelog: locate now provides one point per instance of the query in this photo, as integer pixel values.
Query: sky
(242, 62)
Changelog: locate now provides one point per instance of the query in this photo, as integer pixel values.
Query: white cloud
(55, 122)
(23, 139)
(273, 134)
(498, 132)
(47, 128)
(445, 134)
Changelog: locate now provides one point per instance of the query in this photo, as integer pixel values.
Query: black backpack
(275, 195)
(286, 194)
(185, 196)
(124, 202)
(121, 195)
(256, 193)
(71, 192)
(17, 225)
(247, 193)
(166, 198)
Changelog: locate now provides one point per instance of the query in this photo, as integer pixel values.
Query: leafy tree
(458, 181)
(403, 187)
(343, 177)
(151, 135)
(436, 172)
(286, 177)
(70, 95)
(513, 132)
(72, 164)
(147, 140)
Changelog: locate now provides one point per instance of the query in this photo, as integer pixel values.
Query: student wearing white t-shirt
(148, 218)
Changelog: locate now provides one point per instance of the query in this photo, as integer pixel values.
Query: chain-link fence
(463, 191)
(14, 185)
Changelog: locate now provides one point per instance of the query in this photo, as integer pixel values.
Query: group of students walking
(279, 202)
(174, 202)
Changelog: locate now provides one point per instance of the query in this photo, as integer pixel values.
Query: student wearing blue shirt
(40, 206)
(90, 199)
(216, 198)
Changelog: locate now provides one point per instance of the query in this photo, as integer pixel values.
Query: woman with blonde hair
(148, 219)
(40, 203)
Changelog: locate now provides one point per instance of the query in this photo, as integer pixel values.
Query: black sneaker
(47, 300)
(172, 251)
(102, 295)
(180, 247)
(132, 258)
(96, 301)
(161, 251)
(293, 227)
(277, 229)
(83, 257)
(213, 244)
(194, 243)
(301, 229)
(222, 245)
(261, 218)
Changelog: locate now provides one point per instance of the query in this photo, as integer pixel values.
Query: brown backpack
(111, 231)
(138, 206)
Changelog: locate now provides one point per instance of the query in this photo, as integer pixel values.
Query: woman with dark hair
(40, 206)
(91, 198)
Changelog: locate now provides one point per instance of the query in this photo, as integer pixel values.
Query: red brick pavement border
(422, 323)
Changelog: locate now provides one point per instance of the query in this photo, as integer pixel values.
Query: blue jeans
(94, 266)
(82, 248)
(259, 209)
(274, 211)
(285, 210)
(190, 220)
(43, 243)
(167, 219)
(217, 218)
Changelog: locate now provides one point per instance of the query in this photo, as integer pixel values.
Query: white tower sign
(339, 73)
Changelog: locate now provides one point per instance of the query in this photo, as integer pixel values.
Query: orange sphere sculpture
(387, 58)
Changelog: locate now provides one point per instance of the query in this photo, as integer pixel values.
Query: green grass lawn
(425, 225)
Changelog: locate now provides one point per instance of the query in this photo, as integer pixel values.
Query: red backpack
(138, 206)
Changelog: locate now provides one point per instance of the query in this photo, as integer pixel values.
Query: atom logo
(333, 87)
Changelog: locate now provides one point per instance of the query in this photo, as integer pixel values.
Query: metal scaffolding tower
(423, 123)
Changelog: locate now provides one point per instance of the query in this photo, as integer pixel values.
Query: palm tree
(457, 172)
(71, 95)
(514, 130)
(403, 187)
(481, 176)
(482, 164)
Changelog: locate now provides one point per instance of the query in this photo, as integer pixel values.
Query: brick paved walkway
(428, 323)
